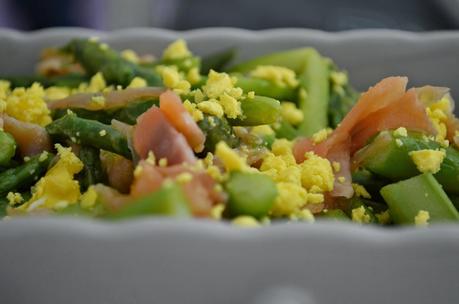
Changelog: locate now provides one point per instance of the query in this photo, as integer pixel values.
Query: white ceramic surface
(59, 260)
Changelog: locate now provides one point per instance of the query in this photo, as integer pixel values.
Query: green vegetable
(7, 148)
(127, 114)
(69, 80)
(92, 172)
(284, 129)
(295, 60)
(388, 156)
(218, 60)
(96, 57)
(3, 205)
(370, 181)
(313, 71)
(169, 200)
(455, 200)
(340, 104)
(422, 192)
(250, 194)
(314, 80)
(24, 176)
(217, 129)
(90, 133)
(266, 88)
(370, 208)
(256, 111)
(334, 214)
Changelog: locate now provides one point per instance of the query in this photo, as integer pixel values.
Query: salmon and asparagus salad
(116, 135)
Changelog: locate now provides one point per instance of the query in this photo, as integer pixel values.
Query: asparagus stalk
(90, 133)
(169, 200)
(92, 172)
(256, 111)
(7, 148)
(95, 57)
(250, 194)
(420, 193)
(217, 129)
(24, 176)
(388, 156)
(127, 114)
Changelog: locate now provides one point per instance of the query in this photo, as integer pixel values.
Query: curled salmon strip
(200, 191)
(385, 106)
(153, 132)
(171, 105)
(31, 139)
(112, 99)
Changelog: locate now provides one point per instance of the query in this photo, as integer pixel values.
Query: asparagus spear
(388, 156)
(250, 194)
(7, 148)
(314, 80)
(69, 80)
(127, 114)
(92, 172)
(169, 200)
(25, 175)
(266, 88)
(91, 133)
(420, 193)
(259, 110)
(95, 57)
(217, 129)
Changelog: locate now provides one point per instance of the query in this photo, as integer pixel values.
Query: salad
(282, 137)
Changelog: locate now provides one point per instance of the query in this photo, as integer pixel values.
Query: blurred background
(331, 15)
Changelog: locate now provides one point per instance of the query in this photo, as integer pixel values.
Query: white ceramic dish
(57, 260)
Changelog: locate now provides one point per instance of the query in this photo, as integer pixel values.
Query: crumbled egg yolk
(317, 171)
(176, 50)
(400, 132)
(57, 188)
(422, 218)
(383, 217)
(55, 93)
(359, 215)
(298, 184)
(230, 159)
(97, 83)
(211, 107)
(137, 82)
(28, 105)
(195, 113)
(89, 198)
(360, 191)
(338, 80)
(291, 199)
(14, 198)
(262, 130)
(217, 211)
(438, 113)
(220, 89)
(174, 79)
(303, 215)
(193, 75)
(245, 221)
(291, 113)
(428, 160)
(278, 75)
(4, 89)
(97, 102)
(184, 178)
(321, 135)
(130, 55)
